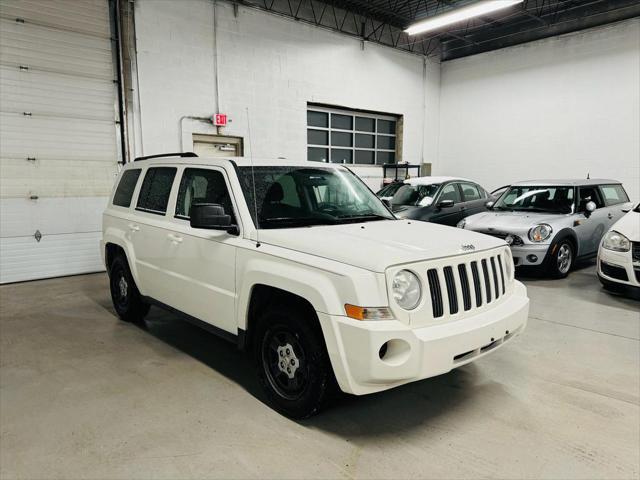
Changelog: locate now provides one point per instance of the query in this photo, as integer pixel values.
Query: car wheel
(292, 362)
(560, 261)
(125, 295)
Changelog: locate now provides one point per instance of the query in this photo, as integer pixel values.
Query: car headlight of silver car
(616, 241)
(461, 223)
(540, 233)
(406, 289)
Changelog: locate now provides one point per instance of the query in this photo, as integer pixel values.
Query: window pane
(317, 119)
(345, 122)
(386, 126)
(318, 154)
(125, 189)
(366, 124)
(366, 157)
(341, 156)
(387, 143)
(450, 192)
(386, 157)
(318, 137)
(341, 139)
(614, 194)
(365, 141)
(470, 192)
(200, 185)
(156, 188)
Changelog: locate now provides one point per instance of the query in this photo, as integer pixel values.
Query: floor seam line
(585, 328)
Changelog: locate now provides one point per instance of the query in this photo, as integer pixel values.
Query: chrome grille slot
(476, 283)
(496, 288)
(635, 251)
(501, 272)
(487, 283)
(451, 290)
(436, 293)
(464, 285)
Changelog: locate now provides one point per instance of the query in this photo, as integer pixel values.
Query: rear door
(474, 198)
(450, 215)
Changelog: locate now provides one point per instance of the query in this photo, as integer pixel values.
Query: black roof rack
(161, 155)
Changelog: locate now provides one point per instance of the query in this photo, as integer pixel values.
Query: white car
(302, 265)
(619, 255)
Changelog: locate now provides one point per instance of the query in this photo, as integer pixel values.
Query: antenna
(253, 180)
(588, 175)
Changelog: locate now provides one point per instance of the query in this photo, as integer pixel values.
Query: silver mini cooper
(551, 223)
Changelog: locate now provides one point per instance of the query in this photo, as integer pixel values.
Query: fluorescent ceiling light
(460, 14)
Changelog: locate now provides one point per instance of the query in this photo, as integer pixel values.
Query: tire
(126, 298)
(292, 362)
(559, 262)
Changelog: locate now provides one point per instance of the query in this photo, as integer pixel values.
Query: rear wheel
(125, 295)
(292, 362)
(560, 259)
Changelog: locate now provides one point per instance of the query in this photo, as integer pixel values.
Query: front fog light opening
(532, 258)
(394, 352)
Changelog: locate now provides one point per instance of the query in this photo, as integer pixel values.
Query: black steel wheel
(125, 296)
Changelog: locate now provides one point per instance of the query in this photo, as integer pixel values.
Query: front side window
(450, 192)
(412, 195)
(614, 194)
(589, 194)
(124, 192)
(155, 190)
(289, 197)
(471, 192)
(536, 199)
(200, 185)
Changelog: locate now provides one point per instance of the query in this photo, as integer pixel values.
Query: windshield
(289, 197)
(536, 199)
(415, 195)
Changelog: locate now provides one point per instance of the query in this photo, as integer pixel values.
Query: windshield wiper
(296, 221)
(361, 217)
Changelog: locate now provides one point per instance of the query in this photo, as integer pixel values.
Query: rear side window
(199, 185)
(155, 190)
(124, 192)
(614, 194)
(471, 192)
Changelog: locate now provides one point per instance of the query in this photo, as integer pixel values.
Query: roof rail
(162, 155)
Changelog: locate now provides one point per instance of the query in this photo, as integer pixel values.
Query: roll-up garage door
(58, 137)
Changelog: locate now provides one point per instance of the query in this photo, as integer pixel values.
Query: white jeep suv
(302, 265)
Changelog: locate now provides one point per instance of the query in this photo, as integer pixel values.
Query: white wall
(273, 66)
(560, 107)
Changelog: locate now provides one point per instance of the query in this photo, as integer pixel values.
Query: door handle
(133, 227)
(174, 238)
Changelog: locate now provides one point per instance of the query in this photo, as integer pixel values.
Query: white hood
(378, 245)
(629, 226)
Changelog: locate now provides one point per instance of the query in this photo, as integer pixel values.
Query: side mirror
(211, 216)
(489, 204)
(590, 207)
(446, 204)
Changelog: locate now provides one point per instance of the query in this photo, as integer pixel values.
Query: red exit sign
(220, 119)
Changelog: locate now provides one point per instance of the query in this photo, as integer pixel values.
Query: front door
(202, 262)
(590, 228)
(448, 215)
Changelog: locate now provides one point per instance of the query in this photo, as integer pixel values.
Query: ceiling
(383, 21)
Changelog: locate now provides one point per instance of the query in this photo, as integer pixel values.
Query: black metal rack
(401, 171)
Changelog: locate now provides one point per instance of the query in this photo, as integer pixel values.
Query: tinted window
(471, 192)
(199, 185)
(450, 192)
(614, 194)
(589, 194)
(415, 195)
(125, 189)
(317, 119)
(156, 188)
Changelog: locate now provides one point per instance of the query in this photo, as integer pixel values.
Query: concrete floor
(84, 395)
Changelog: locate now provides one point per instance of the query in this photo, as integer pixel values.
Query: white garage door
(58, 137)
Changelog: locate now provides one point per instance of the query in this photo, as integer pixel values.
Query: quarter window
(351, 137)
(199, 185)
(470, 192)
(124, 192)
(614, 194)
(155, 190)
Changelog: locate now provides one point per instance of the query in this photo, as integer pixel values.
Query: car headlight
(616, 241)
(540, 233)
(461, 223)
(406, 289)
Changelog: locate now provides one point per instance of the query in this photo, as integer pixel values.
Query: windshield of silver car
(536, 199)
(288, 197)
(412, 195)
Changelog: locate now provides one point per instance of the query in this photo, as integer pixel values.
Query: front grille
(484, 278)
(635, 251)
(614, 271)
(637, 272)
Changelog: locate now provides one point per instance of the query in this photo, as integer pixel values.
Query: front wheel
(292, 362)
(560, 260)
(126, 298)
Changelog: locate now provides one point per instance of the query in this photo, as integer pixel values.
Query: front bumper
(418, 353)
(523, 255)
(620, 264)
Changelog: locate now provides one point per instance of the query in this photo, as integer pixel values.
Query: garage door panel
(56, 178)
(86, 16)
(46, 48)
(21, 217)
(53, 137)
(47, 93)
(24, 258)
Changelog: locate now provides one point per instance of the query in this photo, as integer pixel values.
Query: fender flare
(565, 233)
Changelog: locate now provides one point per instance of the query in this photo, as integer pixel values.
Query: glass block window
(350, 137)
